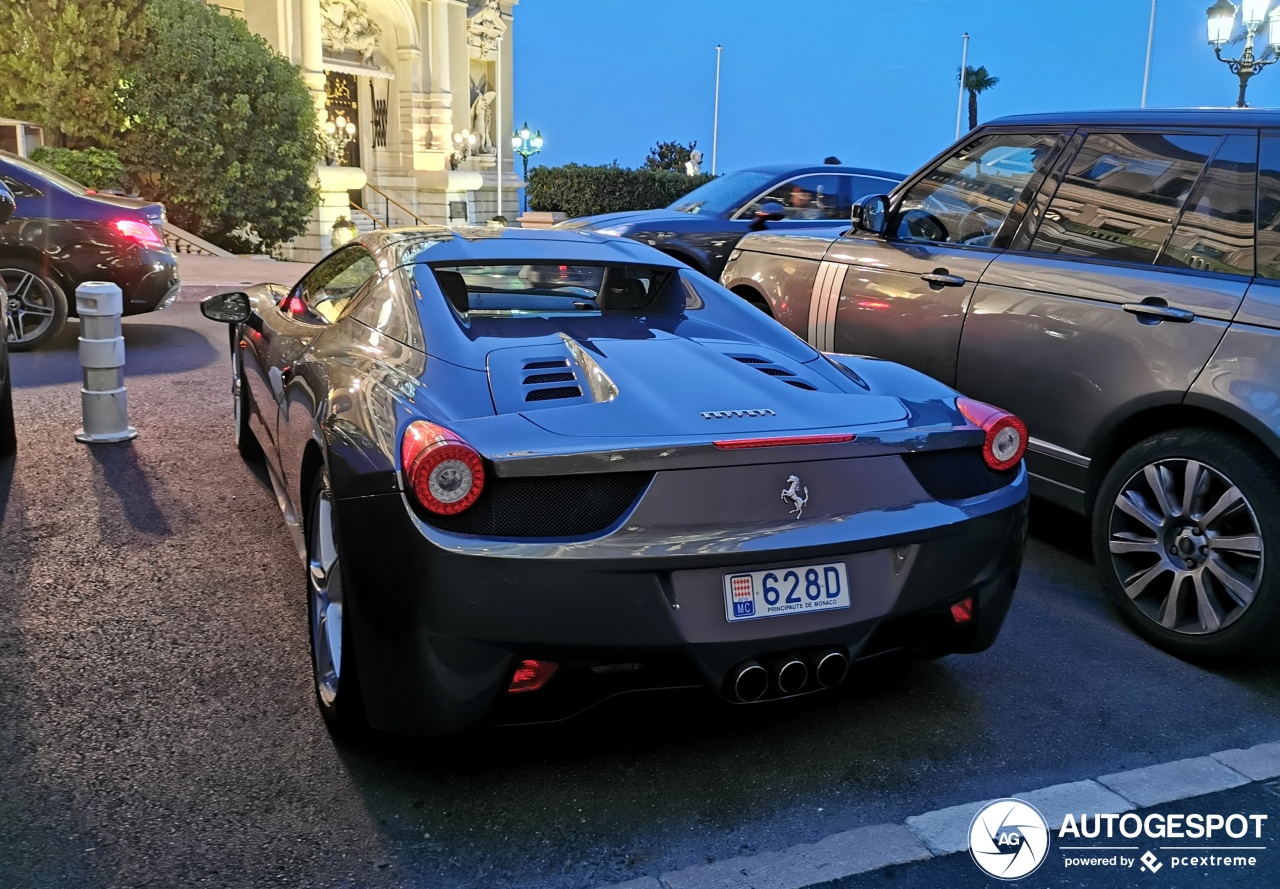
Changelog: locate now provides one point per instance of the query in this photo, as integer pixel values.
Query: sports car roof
(439, 244)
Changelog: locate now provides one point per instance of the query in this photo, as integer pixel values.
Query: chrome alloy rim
(28, 307)
(325, 583)
(1186, 546)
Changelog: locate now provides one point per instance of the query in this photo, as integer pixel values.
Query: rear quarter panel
(781, 269)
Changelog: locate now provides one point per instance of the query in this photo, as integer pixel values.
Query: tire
(333, 664)
(1195, 577)
(242, 405)
(8, 433)
(35, 308)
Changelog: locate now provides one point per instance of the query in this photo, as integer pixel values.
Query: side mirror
(7, 204)
(871, 214)
(229, 308)
(770, 211)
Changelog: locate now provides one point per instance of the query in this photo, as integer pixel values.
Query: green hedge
(585, 191)
(91, 167)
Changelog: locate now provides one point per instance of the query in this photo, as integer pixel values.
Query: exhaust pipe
(748, 681)
(789, 673)
(829, 666)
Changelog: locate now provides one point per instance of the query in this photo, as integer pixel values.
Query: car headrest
(454, 288)
(623, 295)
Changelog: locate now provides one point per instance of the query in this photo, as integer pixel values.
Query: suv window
(1269, 208)
(1122, 194)
(1215, 231)
(818, 196)
(330, 286)
(967, 197)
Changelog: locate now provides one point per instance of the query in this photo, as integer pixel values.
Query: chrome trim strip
(1055, 483)
(1052, 450)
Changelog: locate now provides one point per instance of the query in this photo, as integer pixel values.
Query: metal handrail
(390, 200)
(374, 219)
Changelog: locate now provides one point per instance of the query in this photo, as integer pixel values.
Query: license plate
(774, 592)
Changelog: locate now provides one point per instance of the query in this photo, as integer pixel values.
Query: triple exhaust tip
(787, 673)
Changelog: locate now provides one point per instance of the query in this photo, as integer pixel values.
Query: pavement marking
(1173, 780)
(946, 831)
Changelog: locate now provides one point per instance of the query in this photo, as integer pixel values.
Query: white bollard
(103, 401)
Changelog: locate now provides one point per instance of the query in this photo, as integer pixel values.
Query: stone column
(312, 54)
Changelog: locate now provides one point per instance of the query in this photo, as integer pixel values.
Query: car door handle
(1159, 311)
(942, 278)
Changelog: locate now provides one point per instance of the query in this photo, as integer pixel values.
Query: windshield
(719, 196)
(510, 290)
(46, 173)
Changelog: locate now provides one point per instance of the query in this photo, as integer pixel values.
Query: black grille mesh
(547, 506)
(564, 376)
(555, 392)
(536, 365)
(956, 474)
(800, 385)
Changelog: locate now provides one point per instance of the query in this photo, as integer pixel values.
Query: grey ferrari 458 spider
(528, 470)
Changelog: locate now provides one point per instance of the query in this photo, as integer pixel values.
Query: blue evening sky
(871, 81)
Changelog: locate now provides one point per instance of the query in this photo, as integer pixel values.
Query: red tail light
(139, 232)
(445, 473)
(733, 444)
(1006, 439)
(531, 675)
(962, 611)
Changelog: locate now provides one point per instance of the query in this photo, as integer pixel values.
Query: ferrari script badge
(792, 492)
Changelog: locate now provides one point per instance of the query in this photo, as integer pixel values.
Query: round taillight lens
(445, 474)
(1006, 435)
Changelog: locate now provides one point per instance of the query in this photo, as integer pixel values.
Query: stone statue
(693, 166)
(482, 121)
(347, 26)
(485, 28)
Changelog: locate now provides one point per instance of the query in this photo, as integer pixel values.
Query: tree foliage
(220, 127)
(94, 168)
(585, 191)
(669, 156)
(976, 80)
(62, 61)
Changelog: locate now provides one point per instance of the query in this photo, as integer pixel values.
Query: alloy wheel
(325, 588)
(29, 307)
(1186, 546)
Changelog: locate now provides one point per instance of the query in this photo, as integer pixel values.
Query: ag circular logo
(1008, 839)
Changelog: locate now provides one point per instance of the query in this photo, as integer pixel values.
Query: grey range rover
(1113, 278)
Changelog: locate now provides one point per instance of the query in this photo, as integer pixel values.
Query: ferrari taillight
(445, 474)
(1006, 435)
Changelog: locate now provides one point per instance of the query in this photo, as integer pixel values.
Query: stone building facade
(415, 79)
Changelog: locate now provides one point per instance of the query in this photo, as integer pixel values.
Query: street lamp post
(526, 145)
(1222, 20)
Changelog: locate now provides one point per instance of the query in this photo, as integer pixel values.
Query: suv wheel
(35, 309)
(1184, 526)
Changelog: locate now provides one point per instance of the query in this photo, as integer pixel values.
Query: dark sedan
(527, 470)
(702, 227)
(62, 235)
(8, 434)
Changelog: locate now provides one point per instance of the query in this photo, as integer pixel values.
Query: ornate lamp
(1222, 18)
(338, 134)
(526, 144)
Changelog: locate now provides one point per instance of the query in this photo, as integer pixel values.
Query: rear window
(510, 290)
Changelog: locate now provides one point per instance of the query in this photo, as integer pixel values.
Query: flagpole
(715, 123)
(964, 60)
(1146, 71)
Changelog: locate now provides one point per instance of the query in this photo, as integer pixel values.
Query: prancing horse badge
(792, 492)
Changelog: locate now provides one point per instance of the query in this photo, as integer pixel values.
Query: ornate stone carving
(485, 27)
(346, 26)
(693, 166)
(482, 121)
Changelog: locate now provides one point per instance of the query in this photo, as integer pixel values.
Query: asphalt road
(157, 726)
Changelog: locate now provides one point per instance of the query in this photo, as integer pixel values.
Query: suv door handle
(942, 278)
(1158, 310)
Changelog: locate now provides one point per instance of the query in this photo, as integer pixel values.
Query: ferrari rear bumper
(438, 630)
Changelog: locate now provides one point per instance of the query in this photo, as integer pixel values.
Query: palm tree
(976, 80)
